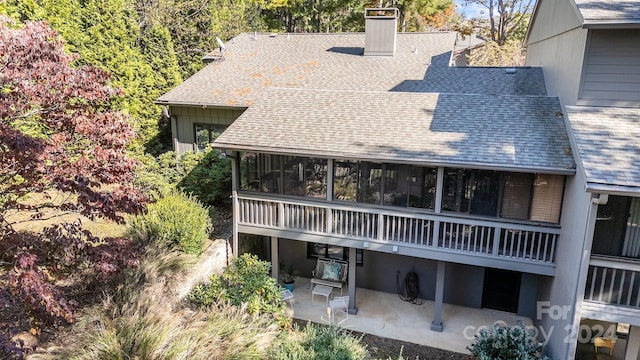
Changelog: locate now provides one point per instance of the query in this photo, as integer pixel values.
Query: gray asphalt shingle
(611, 11)
(335, 61)
(607, 143)
(508, 132)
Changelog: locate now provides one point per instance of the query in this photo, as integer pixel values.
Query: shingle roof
(609, 11)
(479, 80)
(607, 141)
(504, 132)
(335, 61)
(317, 61)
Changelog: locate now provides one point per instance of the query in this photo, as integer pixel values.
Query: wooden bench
(330, 272)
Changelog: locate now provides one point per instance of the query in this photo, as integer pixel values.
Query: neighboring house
(590, 54)
(371, 148)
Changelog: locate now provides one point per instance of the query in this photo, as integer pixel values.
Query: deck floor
(385, 314)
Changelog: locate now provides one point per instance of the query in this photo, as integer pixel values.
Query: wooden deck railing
(613, 282)
(446, 232)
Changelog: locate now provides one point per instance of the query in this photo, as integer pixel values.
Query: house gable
(550, 18)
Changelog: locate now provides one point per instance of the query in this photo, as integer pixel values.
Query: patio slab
(386, 315)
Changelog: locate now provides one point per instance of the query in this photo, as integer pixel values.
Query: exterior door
(501, 290)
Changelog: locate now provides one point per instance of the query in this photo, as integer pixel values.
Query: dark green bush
(502, 342)
(176, 220)
(206, 175)
(320, 343)
(245, 281)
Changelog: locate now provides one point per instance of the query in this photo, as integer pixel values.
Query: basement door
(501, 290)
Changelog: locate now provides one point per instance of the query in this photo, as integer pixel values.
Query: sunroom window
(520, 196)
(617, 230)
(288, 175)
(400, 185)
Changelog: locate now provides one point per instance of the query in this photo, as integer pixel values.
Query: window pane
(260, 172)
(483, 192)
(206, 133)
(369, 186)
(345, 180)
(396, 185)
(249, 179)
(270, 171)
(305, 176)
(317, 250)
(471, 191)
(335, 252)
(422, 183)
(454, 197)
(516, 195)
(332, 252)
(547, 198)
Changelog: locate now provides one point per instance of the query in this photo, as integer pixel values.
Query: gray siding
(184, 118)
(612, 68)
(561, 58)
(463, 283)
(552, 17)
(564, 289)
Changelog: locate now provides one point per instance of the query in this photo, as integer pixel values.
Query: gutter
(611, 189)
(201, 105)
(396, 160)
(611, 24)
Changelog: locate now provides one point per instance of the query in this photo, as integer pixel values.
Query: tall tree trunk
(492, 21)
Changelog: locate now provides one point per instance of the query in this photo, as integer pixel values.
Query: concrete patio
(385, 314)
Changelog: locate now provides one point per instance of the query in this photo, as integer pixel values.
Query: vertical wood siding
(186, 117)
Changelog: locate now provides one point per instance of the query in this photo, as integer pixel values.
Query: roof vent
(380, 31)
(510, 70)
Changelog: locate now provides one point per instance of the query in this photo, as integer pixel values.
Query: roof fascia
(611, 24)
(198, 105)
(338, 155)
(531, 21)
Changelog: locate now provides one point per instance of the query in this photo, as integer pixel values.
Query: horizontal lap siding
(612, 68)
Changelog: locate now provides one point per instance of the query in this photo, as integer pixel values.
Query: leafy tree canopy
(106, 34)
(508, 19)
(59, 134)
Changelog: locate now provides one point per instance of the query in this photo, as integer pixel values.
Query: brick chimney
(380, 31)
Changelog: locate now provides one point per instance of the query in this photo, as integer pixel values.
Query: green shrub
(206, 175)
(245, 281)
(319, 342)
(176, 221)
(502, 342)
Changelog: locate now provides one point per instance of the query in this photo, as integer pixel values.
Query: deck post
(633, 343)
(235, 175)
(236, 213)
(275, 262)
(351, 286)
(436, 324)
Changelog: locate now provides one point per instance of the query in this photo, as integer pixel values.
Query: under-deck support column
(275, 261)
(235, 175)
(633, 343)
(352, 281)
(436, 324)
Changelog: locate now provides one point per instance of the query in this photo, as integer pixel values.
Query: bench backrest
(322, 262)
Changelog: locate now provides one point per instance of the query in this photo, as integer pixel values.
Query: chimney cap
(390, 13)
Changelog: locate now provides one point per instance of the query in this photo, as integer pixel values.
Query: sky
(470, 10)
